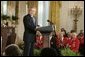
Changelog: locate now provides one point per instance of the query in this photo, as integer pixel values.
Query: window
(43, 13)
(4, 7)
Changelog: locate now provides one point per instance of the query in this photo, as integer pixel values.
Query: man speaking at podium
(30, 31)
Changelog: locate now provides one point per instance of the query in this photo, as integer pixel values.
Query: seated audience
(61, 41)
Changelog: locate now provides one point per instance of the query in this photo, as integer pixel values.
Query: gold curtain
(33, 4)
(54, 13)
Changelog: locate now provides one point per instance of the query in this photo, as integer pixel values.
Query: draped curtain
(54, 13)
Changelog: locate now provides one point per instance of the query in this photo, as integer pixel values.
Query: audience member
(12, 50)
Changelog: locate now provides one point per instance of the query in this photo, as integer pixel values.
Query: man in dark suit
(30, 32)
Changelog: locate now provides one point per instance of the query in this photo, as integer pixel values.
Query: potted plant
(5, 17)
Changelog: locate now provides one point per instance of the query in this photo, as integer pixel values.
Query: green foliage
(5, 17)
(14, 18)
(10, 18)
(68, 52)
(37, 52)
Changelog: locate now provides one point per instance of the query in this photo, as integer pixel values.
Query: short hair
(81, 30)
(12, 50)
(75, 34)
(48, 52)
(72, 31)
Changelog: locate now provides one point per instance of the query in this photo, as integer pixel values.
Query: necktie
(33, 19)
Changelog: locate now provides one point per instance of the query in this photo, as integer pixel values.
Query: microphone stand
(54, 31)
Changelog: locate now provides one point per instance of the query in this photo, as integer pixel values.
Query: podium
(46, 32)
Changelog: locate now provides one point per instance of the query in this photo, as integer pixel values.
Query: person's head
(69, 35)
(74, 35)
(48, 52)
(32, 11)
(12, 50)
(38, 33)
(80, 34)
(71, 32)
(81, 31)
(64, 31)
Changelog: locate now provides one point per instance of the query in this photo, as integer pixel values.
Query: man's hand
(37, 27)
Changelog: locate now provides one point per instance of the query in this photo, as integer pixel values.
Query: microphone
(49, 21)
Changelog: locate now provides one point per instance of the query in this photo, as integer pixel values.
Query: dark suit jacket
(29, 26)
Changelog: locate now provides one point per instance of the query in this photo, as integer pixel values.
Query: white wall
(11, 8)
(66, 20)
(22, 13)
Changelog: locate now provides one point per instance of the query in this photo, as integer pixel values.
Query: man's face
(32, 11)
(74, 35)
